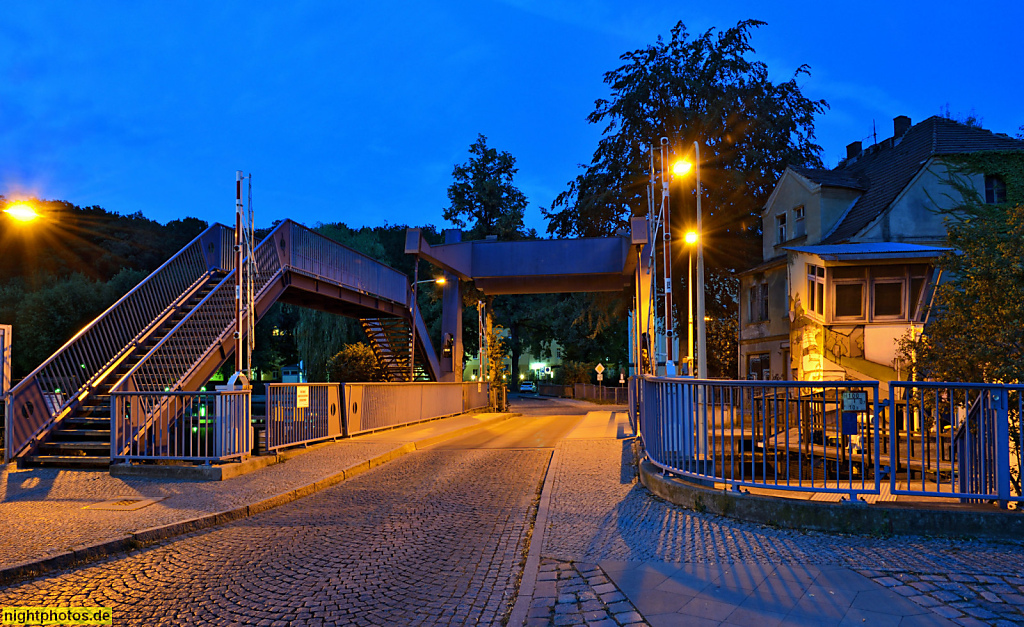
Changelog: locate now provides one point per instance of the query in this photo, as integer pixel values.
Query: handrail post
(1001, 398)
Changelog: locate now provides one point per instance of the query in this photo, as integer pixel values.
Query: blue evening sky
(357, 111)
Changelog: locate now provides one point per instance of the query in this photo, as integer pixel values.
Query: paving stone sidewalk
(599, 513)
(570, 593)
(41, 509)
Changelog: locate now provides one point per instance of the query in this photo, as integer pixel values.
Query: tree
(687, 89)
(483, 193)
(355, 363)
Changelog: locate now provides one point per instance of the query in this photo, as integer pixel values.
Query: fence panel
(956, 440)
(189, 426)
(785, 435)
(300, 413)
(371, 406)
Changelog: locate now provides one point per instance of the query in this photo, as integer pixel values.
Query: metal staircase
(82, 439)
(390, 339)
(174, 330)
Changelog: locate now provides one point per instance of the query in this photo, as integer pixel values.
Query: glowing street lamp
(22, 212)
(681, 167)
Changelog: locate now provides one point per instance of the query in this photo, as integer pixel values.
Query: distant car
(528, 386)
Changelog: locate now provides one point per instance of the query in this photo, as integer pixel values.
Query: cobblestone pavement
(52, 499)
(435, 537)
(570, 593)
(599, 511)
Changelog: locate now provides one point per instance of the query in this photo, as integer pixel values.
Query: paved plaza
(446, 535)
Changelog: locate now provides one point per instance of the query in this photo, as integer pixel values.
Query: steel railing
(782, 435)
(372, 406)
(957, 440)
(89, 356)
(301, 413)
(188, 426)
(323, 258)
(588, 391)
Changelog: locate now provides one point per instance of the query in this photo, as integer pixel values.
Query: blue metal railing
(956, 440)
(782, 435)
(929, 439)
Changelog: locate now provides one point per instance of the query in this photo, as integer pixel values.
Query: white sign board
(599, 368)
(855, 401)
(600, 377)
(301, 396)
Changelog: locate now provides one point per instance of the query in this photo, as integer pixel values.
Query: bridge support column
(451, 318)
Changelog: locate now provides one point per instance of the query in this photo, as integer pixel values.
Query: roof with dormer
(885, 169)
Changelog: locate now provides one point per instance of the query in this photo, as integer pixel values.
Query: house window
(757, 303)
(780, 228)
(798, 222)
(759, 366)
(816, 289)
(848, 292)
(888, 287)
(995, 189)
(918, 276)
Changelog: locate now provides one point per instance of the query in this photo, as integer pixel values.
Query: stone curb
(851, 518)
(531, 570)
(93, 552)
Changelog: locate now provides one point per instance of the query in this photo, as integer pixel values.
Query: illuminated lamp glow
(21, 213)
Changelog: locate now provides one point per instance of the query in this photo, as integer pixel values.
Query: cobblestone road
(600, 512)
(435, 537)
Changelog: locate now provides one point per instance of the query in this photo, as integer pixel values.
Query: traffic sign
(600, 377)
(599, 368)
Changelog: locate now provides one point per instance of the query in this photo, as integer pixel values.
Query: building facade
(850, 254)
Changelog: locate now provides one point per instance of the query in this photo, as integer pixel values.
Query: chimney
(900, 125)
(853, 150)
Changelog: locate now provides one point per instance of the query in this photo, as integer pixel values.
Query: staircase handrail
(319, 256)
(201, 328)
(89, 353)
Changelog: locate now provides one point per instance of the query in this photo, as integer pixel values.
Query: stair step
(90, 461)
(83, 433)
(74, 445)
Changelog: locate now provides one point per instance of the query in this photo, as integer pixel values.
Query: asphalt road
(436, 537)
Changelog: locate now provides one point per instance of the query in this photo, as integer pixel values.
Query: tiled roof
(832, 178)
(887, 168)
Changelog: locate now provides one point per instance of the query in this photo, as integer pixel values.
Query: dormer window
(995, 189)
(798, 222)
(780, 229)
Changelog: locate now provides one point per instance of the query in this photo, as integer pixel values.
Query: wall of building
(914, 216)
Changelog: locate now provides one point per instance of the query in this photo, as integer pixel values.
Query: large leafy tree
(705, 88)
(484, 196)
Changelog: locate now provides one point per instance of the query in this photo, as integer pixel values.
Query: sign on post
(599, 368)
(855, 401)
(302, 397)
(600, 377)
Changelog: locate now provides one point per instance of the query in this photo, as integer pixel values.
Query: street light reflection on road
(22, 212)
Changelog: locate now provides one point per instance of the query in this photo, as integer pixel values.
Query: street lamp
(681, 167)
(22, 212)
(690, 239)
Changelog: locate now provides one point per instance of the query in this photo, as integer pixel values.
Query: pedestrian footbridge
(174, 330)
(166, 337)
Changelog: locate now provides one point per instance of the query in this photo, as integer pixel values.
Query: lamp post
(691, 239)
(702, 348)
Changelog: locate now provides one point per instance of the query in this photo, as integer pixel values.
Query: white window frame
(780, 228)
(815, 280)
(799, 228)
